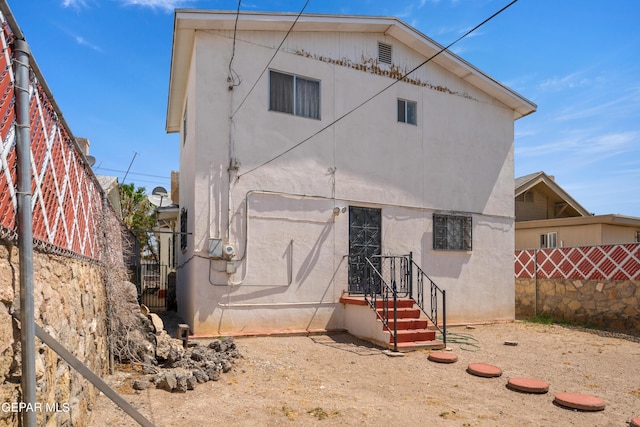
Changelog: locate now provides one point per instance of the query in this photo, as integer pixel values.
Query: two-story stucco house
(296, 154)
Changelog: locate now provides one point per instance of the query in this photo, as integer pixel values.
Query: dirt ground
(331, 380)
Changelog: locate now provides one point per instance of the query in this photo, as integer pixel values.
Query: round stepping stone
(528, 385)
(583, 402)
(442, 357)
(484, 370)
(635, 422)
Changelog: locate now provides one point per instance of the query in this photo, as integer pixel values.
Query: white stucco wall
(290, 267)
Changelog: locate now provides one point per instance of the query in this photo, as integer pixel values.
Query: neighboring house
(111, 188)
(285, 171)
(548, 217)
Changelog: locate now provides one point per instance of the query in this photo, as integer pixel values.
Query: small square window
(549, 240)
(451, 232)
(407, 112)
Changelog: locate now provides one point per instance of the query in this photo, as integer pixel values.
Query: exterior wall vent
(384, 53)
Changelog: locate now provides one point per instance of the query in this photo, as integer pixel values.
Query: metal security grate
(384, 53)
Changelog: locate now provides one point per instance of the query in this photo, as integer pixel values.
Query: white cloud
(610, 144)
(570, 81)
(81, 41)
(168, 5)
(74, 3)
(584, 146)
(625, 106)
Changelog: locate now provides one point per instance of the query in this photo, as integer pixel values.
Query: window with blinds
(293, 94)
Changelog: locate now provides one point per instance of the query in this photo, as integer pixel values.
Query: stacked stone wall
(70, 304)
(613, 304)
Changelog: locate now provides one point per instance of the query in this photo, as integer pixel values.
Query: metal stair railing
(411, 281)
(377, 289)
(435, 293)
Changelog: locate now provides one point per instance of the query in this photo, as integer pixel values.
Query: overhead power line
(357, 107)
(269, 63)
(233, 76)
(133, 173)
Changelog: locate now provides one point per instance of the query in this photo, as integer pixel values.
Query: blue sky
(107, 64)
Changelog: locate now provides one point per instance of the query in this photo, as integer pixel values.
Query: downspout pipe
(25, 229)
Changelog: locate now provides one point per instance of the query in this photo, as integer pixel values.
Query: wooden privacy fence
(66, 197)
(597, 285)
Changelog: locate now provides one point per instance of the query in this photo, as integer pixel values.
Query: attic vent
(384, 53)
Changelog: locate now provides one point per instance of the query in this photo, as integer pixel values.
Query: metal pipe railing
(25, 228)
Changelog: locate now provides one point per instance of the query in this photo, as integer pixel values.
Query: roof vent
(384, 53)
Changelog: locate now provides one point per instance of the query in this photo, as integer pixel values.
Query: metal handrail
(371, 294)
(434, 292)
(407, 279)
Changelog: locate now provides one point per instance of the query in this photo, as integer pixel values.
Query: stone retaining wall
(608, 304)
(70, 304)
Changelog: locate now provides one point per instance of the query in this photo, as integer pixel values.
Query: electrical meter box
(215, 248)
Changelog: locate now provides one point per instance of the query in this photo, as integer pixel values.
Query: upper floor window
(293, 94)
(407, 111)
(451, 232)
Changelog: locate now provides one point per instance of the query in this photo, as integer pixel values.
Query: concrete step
(400, 303)
(409, 323)
(414, 335)
(403, 313)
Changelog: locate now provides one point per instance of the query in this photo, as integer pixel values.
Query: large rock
(156, 321)
(164, 344)
(167, 381)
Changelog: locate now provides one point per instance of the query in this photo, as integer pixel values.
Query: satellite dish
(160, 198)
(91, 160)
(160, 201)
(160, 191)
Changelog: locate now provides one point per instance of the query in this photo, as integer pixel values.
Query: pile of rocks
(139, 336)
(178, 369)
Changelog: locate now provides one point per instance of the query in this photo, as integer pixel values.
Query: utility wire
(379, 92)
(133, 173)
(233, 76)
(269, 63)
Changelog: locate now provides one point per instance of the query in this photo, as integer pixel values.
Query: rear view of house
(300, 157)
